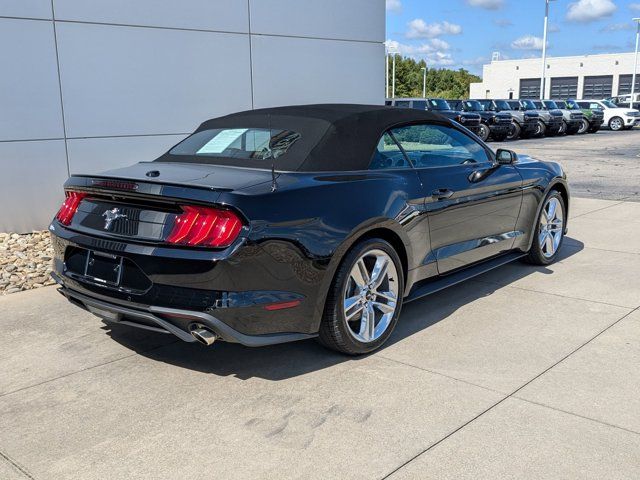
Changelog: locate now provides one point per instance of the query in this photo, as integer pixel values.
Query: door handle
(441, 193)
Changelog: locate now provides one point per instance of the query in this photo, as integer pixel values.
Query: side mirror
(506, 157)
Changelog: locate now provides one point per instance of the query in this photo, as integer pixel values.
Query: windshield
(550, 104)
(472, 106)
(538, 104)
(439, 104)
(503, 105)
(609, 104)
(237, 144)
(572, 105)
(514, 105)
(528, 104)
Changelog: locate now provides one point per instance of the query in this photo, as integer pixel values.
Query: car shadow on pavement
(279, 362)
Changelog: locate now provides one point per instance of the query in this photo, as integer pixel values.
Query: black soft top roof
(334, 137)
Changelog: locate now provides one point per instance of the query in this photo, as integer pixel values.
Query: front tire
(549, 231)
(616, 124)
(514, 131)
(541, 129)
(584, 126)
(364, 300)
(483, 132)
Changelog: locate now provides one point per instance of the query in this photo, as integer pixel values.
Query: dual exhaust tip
(202, 334)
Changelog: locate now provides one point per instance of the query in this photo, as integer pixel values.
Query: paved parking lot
(524, 372)
(601, 165)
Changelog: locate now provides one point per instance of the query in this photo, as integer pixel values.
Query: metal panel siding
(29, 93)
(597, 86)
(529, 88)
(624, 85)
(133, 77)
(30, 183)
(564, 87)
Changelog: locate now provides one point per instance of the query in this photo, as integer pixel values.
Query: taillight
(69, 207)
(205, 227)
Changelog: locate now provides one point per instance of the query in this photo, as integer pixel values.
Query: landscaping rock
(25, 261)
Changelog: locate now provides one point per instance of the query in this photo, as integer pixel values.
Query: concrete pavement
(525, 372)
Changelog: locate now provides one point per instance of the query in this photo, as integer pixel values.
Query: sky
(464, 33)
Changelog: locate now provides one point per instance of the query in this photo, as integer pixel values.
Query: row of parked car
(512, 119)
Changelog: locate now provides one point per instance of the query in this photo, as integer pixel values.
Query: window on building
(564, 87)
(529, 88)
(624, 85)
(599, 86)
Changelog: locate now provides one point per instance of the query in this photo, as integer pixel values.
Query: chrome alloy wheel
(551, 227)
(371, 296)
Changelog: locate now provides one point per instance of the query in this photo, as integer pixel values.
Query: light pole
(544, 47)
(424, 82)
(386, 74)
(635, 62)
(393, 74)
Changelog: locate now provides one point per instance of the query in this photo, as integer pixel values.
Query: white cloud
(476, 62)
(418, 28)
(488, 4)
(635, 6)
(503, 22)
(434, 51)
(394, 5)
(589, 10)
(527, 42)
(617, 27)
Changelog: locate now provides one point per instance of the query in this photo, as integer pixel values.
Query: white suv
(615, 117)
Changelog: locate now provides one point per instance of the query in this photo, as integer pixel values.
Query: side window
(403, 103)
(438, 146)
(388, 155)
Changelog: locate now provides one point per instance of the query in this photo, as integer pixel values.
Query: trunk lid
(213, 177)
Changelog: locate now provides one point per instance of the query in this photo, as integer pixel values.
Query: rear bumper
(262, 291)
(170, 320)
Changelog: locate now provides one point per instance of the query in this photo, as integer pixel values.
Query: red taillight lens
(69, 207)
(205, 227)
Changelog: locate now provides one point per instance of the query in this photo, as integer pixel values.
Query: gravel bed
(25, 261)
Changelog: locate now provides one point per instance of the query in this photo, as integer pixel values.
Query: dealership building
(584, 76)
(88, 86)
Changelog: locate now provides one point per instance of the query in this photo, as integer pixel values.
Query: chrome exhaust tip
(203, 334)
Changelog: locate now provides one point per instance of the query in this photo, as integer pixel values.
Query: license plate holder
(104, 268)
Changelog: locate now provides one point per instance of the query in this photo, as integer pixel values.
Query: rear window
(237, 143)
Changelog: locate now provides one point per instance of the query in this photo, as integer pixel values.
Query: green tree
(442, 82)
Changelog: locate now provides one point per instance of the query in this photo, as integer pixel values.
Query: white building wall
(87, 86)
(501, 77)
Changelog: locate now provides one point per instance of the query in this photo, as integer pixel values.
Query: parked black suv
(469, 120)
(524, 124)
(496, 125)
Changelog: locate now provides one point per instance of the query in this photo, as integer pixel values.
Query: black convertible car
(282, 224)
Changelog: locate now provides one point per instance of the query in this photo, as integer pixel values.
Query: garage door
(597, 87)
(529, 88)
(624, 86)
(564, 87)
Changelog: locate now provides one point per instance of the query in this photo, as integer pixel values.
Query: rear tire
(514, 132)
(354, 298)
(548, 234)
